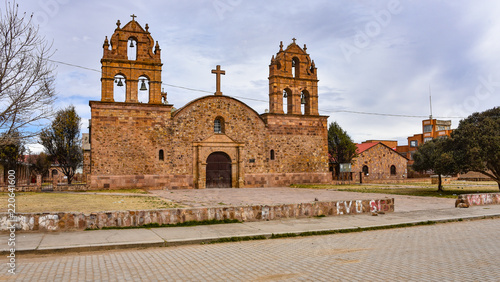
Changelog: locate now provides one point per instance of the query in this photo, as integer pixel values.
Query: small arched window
(54, 172)
(365, 170)
(271, 155)
(393, 170)
(161, 155)
(219, 125)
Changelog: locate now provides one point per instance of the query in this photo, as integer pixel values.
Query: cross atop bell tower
(130, 57)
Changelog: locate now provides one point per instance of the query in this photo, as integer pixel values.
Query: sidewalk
(39, 243)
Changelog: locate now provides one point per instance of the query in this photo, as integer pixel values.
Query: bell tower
(129, 61)
(293, 82)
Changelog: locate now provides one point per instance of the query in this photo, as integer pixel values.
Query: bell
(303, 100)
(120, 83)
(131, 43)
(143, 86)
(285, 95)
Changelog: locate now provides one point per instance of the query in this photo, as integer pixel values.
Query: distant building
(389, 143)
(431, 128)
(378, 161)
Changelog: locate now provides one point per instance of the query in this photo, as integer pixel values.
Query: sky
(377, 61)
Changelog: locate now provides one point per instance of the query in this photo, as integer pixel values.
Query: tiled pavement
(460, 251)
(284, 195)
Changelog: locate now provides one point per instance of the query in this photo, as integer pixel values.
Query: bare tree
(26, 76)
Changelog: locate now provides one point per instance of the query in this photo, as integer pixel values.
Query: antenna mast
(430, 100)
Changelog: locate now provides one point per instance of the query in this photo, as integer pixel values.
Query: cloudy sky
(376, 60)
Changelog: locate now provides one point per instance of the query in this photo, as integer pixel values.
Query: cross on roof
(294, 40)
(133, 17)
(218, 73)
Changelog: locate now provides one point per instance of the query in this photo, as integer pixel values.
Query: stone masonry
(154, 145)
(66, 221)
(378, 160)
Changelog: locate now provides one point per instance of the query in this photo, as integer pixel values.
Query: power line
(260, 100)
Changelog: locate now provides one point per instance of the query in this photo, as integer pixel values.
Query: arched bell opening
(132, 49)
(143, 88)
(119, 88)
(287, 98)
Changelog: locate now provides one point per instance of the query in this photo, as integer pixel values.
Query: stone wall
(58, 187)
(479, 199)
(379, 160)
(66, 221)
(141, 181)
(126, 140)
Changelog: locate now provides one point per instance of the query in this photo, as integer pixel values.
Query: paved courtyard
(461, 251)
(269, 196)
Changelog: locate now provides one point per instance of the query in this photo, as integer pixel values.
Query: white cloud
(450, 45)
(34, 149)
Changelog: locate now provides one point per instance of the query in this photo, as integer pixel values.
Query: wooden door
(218, 170)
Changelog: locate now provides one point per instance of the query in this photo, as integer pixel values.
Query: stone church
(213, 141)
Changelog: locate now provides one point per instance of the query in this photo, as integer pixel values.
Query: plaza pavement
(409, 210)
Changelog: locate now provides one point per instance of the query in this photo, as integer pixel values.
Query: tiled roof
(365, 146)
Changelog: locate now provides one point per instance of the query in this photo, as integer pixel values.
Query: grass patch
(425, 189)
(284, 235)
(320, 216)
(325, 232)
(86, 203)
(349, 230)
(238, 239)
(180, 224)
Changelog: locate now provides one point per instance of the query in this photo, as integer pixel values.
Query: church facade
(213, 141)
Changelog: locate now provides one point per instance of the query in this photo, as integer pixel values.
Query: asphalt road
(460, 251)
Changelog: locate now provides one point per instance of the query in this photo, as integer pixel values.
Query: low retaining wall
(65, 221)
(59, 187)
(478, 199)
(152, 181)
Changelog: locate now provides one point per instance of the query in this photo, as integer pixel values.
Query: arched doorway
(218, 170)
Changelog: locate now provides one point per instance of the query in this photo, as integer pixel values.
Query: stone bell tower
(293, 80)
(129, 59)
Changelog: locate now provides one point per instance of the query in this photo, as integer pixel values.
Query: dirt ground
(269, 196)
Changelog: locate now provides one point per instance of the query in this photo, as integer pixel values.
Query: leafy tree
(341, 149)
(475, 144)
(62, 141)
(432, 155)
(11, 150)
(26, 76)
(40, 164)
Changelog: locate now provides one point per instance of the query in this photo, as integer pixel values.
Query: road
(460, 251)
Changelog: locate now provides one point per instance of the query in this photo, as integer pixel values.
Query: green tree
(475, 144)
(433, 155)
(62, 141)
(11, 150)
(341, 148)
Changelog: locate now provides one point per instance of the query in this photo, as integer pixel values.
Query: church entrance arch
(218, 173)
